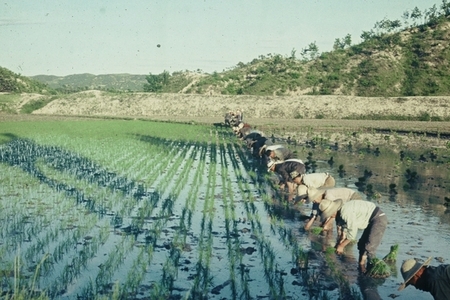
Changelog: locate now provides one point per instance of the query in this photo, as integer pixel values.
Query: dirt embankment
(96, 103)
(291, 115)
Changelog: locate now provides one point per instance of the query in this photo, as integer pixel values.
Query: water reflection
(403, 175)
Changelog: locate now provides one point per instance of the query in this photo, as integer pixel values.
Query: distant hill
(11, 82)
(394, 60)
(107, 82)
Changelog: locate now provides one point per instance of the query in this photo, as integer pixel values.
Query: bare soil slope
(97, 103)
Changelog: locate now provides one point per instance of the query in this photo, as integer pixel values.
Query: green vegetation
(129, 197)
(7, 102)
(392, 255)
(391, 61)
(82, 82)
(378, 269)
(395, 58)
(11, 82)
(31, 106)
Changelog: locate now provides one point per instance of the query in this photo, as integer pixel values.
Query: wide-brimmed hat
(270, 164)
(314, 193)
(241, 125)
(409, 268)
(273, 147)
(262, 150)
(294, 174)
(328, 208)
(302, 191)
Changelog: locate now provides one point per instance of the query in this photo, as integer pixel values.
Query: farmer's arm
(326, 222)
(341, 245)
(348, 232)
(313, 217)
(310, 222)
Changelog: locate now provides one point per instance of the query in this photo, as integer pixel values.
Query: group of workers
(340, 205)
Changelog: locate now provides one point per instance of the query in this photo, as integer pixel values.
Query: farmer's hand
(339, 249)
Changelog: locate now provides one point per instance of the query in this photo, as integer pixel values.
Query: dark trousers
(372, 235)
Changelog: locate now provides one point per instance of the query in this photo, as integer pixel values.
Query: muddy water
(410, 184)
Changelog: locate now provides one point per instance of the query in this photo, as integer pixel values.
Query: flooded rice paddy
(137, 215)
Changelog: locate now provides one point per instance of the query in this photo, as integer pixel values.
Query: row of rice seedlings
(35, 227)
(232, 241)
(170, 267)
(170, 271)
(185, 224)
(253, 217)
(66, 272)
(48, 265)
(143, 212)
(140, 213)
(203, 276)
(66, 276)
(277, 226)
(115, 258)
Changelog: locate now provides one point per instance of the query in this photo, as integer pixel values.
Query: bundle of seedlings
(316, 230)
(378, 269)
(392, 255)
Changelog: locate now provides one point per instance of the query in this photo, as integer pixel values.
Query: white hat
(314, 193)
(409, 268)
(328, 208)
(273, 147)
(270, 164)
(302, 191)
(241, 125)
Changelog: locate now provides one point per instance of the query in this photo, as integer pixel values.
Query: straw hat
(241, 125)
(328, 208)
(409, 268)
(314, 193)
(270, 164)
(302, 191)
(262, 150)
(294, 174)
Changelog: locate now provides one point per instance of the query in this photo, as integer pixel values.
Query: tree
(445, 7)
(342, 43)
(156, 82)
(431, 15)
(415, 15)
(388, 25)
(405, 17)
(293, 51)
(313, 51)
(367, 35)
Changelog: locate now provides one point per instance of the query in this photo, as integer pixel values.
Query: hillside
(409, 62)
(11, 82)
(79, 82)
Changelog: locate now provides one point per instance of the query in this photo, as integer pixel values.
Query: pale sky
(63, 37)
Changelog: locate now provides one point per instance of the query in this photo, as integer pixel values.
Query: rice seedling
(131, 208)
(392, 255)
(378, 268)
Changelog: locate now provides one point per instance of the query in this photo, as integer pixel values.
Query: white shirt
(355, 215)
